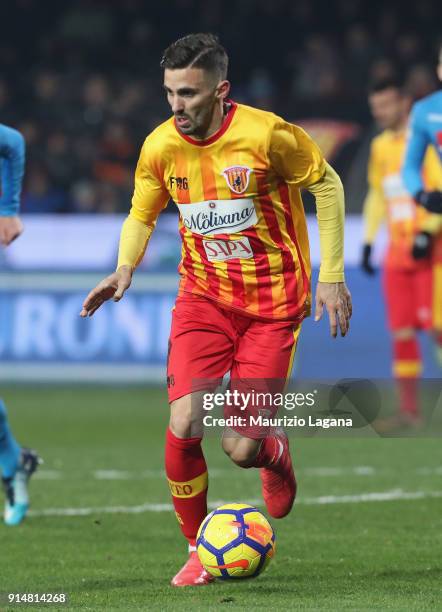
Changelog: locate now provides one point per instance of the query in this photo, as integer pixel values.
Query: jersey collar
(224, 127)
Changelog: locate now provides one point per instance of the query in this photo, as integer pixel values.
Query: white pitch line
(395, 494)
(112, 475)
(429, 471)
(318, 472)
(358, 470)
(381, 496)
(48, 475)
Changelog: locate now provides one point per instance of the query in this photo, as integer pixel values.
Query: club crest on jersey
(237, 178)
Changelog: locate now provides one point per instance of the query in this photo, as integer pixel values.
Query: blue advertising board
(46, 275)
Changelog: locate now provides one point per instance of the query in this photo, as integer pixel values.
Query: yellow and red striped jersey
(389, 199)
(242, 222)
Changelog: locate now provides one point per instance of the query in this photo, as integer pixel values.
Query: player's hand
(10, 229)
(111, 287)
(431, 200)
(421, 245)
(366, 264)
(337, 300)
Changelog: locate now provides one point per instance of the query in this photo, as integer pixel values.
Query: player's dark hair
(387, 82)
(197, 51)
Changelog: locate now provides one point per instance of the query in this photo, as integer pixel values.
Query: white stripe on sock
(281, 449)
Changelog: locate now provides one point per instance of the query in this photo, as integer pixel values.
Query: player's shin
(186, 471)
(407, 368)
(9, 449)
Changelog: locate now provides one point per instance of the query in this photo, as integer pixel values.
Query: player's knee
(240, 452)
(228, 445)
(405, 333)
(184, 422)
(242, 458)
(180, 425)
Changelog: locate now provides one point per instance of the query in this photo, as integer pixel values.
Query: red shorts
(437, 296)
(409, 297)
(207, 341)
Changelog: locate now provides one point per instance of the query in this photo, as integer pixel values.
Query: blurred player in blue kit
(425, 129)
(17, 464)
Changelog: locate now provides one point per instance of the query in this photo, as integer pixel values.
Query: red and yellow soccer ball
(235, 541)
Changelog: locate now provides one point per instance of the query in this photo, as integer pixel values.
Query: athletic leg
(263, 361)
(17, 465)
(400, 289)
(200, 353)
(9, 448)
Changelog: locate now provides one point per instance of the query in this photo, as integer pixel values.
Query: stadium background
(81, 81)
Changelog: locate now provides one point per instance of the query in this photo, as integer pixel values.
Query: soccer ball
(235, 541)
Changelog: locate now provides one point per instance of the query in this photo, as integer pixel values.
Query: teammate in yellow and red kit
(235, 173)
(407, 267)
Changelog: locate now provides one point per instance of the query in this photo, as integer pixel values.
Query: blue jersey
(12, 160)
(425, 129)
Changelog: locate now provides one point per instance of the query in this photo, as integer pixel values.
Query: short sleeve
(295, 156)
(150, 193)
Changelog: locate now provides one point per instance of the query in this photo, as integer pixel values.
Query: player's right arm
(149, 199)
(374, 209)
(12, 154)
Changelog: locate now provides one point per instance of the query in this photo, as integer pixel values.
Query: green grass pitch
(103, 450)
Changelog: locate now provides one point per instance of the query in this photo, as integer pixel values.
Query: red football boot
(192, 573)
(278, 480)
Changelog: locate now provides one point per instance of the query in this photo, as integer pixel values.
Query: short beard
(199, 130)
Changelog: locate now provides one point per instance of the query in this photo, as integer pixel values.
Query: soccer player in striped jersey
(235, 173)
(407, 269)
(16, 464)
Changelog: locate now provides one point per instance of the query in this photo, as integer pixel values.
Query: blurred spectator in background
(317, 70)
(421, 81)
(77, 80)
(41, 194)
(84, 197)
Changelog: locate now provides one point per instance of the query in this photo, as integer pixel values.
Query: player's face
(439, 66)
(389, 108)
(194, 95)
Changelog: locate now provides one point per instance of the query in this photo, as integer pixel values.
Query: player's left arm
(331, 290)
(429, 224)
(297, 158)
(12, 153)
(374, 209)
